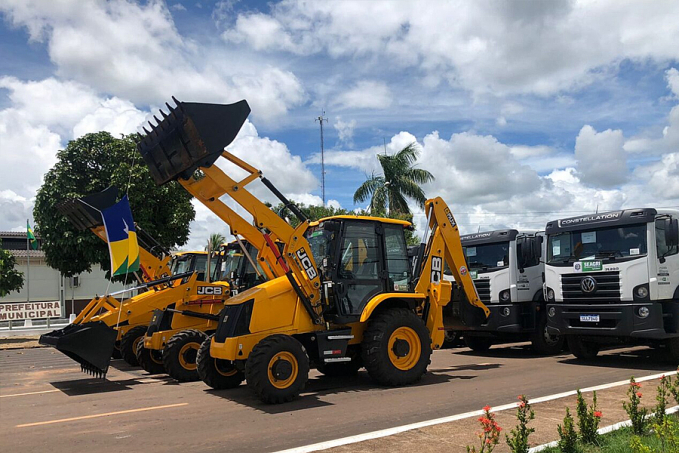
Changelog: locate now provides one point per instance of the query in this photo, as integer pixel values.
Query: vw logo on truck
(588, 285)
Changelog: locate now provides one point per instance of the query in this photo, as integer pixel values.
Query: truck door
(667, 261)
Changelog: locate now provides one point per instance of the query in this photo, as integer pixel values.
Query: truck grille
(483, 288)
(607, 288)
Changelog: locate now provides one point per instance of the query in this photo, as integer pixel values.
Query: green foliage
(588, 420)
(661, 397)
(674, 387)
(311, 212)
(214, 241)
(518, 439)
(568, 438)
(400, 180)
(635, 413)
(91, 164)
(666, 431)
(10, 278)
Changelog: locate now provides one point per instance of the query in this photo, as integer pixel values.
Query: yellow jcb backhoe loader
(101, 328)
(348, 297)
(177, 331)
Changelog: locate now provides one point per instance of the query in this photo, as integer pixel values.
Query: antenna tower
(320, 120)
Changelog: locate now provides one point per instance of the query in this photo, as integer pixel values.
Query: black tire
(128, 344)
(116, 353)
(216, 373)
(583, 350)
(478, 344)
(180, 354)
(391, 329)
(277, 369)
(543, 342)
(150, 360)
(450, 339)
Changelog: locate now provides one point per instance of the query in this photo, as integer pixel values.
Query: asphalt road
(154, 414)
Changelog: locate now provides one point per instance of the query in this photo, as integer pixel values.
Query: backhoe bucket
(84, 212)
(90, 344)
(192, 135)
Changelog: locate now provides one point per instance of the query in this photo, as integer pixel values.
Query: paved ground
(47, 403)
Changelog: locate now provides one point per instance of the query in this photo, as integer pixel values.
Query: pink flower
(597, 414)
(486, 408)
(639, 394)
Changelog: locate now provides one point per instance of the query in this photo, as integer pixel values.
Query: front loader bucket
(84, 212)
(90, 344)
(192, 135)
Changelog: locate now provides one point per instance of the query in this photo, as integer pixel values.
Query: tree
(400, 180)
(10, 278)
(312, 212)
(91, 164)
(214, 241)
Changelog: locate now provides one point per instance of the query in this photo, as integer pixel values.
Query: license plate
(589, 318)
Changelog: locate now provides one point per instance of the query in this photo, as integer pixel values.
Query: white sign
(556, 247)
(589, 237)
(633, 251)
(471, 251)
(29, 310)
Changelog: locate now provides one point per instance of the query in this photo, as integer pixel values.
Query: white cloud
(135, 52)
(345, 130)
(516, 47)
(112, 115)
(601, 159)
(178, 7)
(15, 211)
(672, 76)
(366, 94)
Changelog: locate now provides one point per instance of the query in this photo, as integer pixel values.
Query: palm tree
(401, 180)
(215, 240)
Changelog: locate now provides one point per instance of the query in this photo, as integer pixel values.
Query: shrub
(568, 438)
(518, 440)
(490, 434)
(588, 420)
(635, 413)
(661, 396)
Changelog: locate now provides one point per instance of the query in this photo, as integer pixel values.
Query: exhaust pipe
(192, 135)
(90, 344)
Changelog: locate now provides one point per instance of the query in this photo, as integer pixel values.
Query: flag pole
(28, 266)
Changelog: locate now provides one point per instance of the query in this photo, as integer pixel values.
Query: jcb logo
(210, 290)
(306, 264)
(436, 267)
(451, 219)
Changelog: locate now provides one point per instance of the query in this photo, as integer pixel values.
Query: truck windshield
(606, 244)
(181, 264)
(487, 256)
(231, 262)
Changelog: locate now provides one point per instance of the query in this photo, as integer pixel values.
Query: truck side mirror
(671, 232)
(537, 247)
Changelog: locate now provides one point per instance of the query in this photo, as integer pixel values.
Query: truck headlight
(551, 312)
(642, 293)
(550, 294)
(505, 312)
(505, 296)
(644, 312)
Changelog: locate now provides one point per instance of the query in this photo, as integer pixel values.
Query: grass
(616, 442)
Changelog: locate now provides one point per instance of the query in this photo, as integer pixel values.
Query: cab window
(663, 249)
(397, 258)
(359, 253)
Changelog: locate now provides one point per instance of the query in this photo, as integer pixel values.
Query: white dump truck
(613, 278)
(507, 269)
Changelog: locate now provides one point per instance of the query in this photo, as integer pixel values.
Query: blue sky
(523, 111)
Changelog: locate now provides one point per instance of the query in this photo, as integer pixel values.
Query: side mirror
(671, 232)
(537, 247)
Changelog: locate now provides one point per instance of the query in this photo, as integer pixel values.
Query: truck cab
(507, 269)
(613, 277)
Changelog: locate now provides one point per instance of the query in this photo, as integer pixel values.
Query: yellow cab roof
(196, 252)
(404, 223)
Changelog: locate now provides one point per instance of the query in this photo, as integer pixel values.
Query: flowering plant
(518, 440)
(588, 419)
(636, 414)
(490, 434)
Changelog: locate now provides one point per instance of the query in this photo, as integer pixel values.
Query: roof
(30, 253)
(404, 223)
(15, 234)
(196, 252)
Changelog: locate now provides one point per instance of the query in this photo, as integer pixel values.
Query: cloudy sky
(523, 111)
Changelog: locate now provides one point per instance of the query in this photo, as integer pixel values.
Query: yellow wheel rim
(408, 356)
(230, 372)
(154, 356)
(136, 341)
(286, 357)
(187, 355)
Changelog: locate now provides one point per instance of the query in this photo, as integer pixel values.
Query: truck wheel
(277, 369)
(128, 344)
(218, 374)
(396, 347)
(478, 344)
(179, 355)
(543, 342)
(150, 360)
(450, 339)
(584, 350)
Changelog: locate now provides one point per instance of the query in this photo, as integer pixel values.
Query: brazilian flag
(31, 237)
(122, 238)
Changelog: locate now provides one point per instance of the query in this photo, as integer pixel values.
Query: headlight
(550, 294)
(642, 293)
(644, 312)
(504, 296)
(505, 312)
(551, 312)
